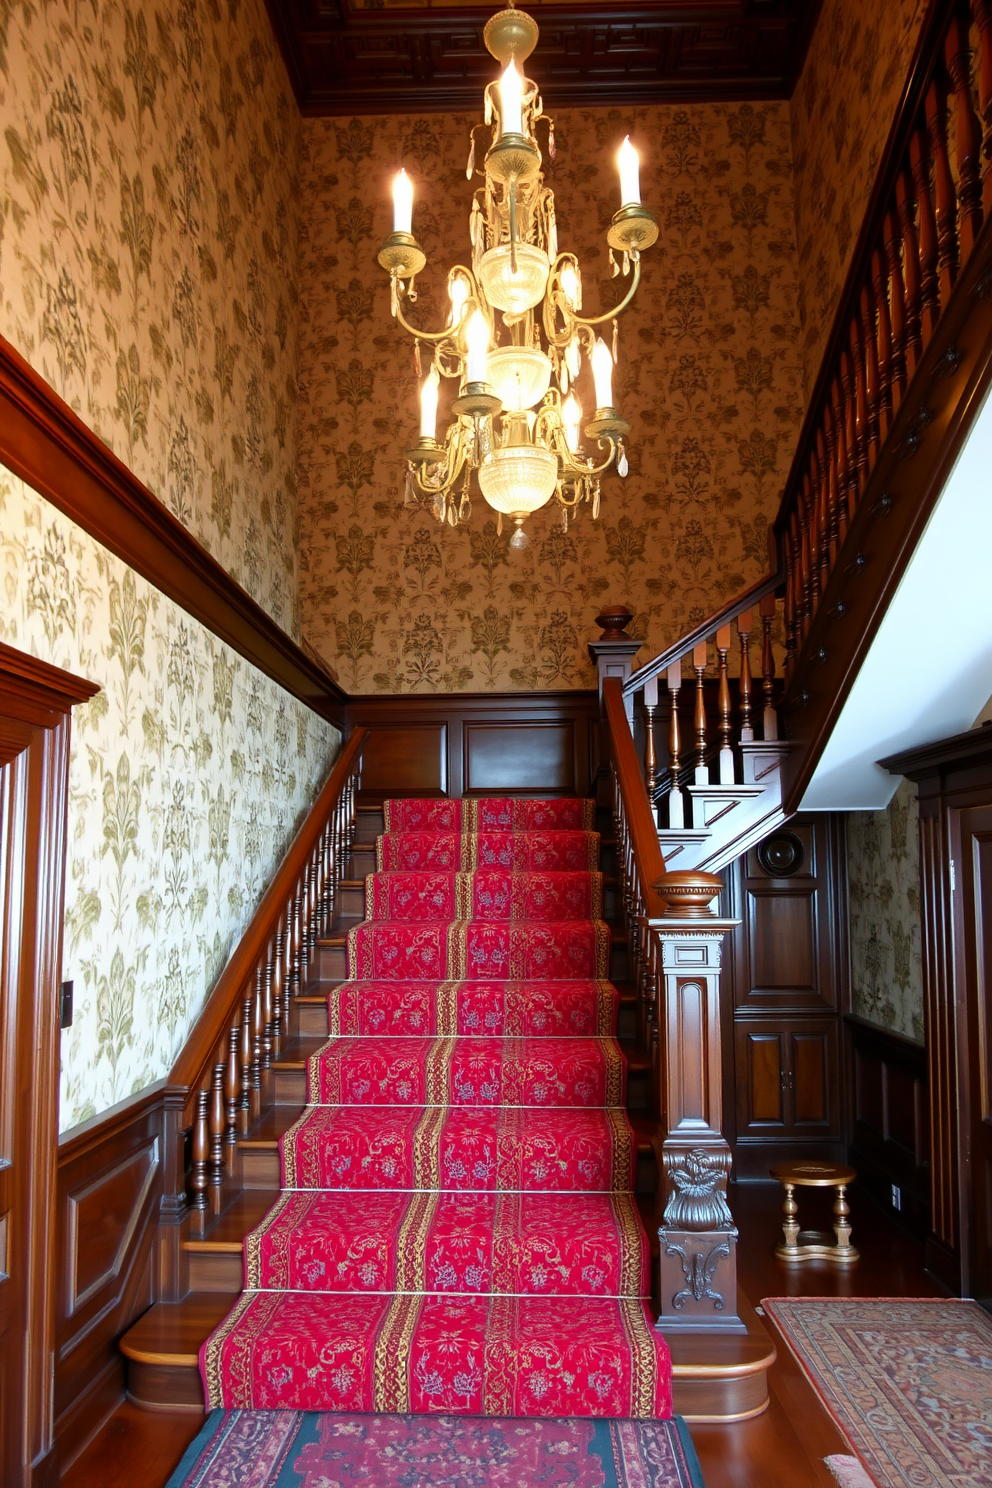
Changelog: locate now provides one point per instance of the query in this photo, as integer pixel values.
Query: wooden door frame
(36, 702)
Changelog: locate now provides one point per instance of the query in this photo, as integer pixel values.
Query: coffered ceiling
(378, 56)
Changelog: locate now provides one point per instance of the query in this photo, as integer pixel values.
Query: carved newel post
(615, 650)
(697, 1234)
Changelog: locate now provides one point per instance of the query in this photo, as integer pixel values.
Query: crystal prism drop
(519, 539)
(418, 365)
(499, 524)
(452, 516)
(614, 266)
(470, 168)
(626, 263)
(551, 143)
(622, 466)
(595, 502)
(616, 342)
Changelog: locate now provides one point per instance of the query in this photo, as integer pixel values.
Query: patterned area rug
(295, 1449)
(457, 1231)
(909, 1382)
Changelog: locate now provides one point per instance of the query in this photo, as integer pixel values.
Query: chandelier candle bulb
(571, 417)
(602, 373)
(511, 93)
(428, 404)
(402, 203)
(459, 292)
(570, 286)
(477, 337)
(629, 165)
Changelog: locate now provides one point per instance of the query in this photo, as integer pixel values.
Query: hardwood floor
(783, 1448)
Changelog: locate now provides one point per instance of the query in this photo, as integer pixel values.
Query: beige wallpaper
(842, 110)
(148, 269)
(883, 860)
(149, 201)
(709, 377)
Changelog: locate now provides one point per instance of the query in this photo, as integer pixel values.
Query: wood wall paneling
(888, 1121)
(35, 702)
(108, 1192)
(477, 743)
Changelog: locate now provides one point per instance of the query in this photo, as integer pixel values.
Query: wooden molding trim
(45, 443)
(925, 439)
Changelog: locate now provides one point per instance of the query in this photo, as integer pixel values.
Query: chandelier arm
(435, 337)
(575, 471)
(454, 461)
(591, 320)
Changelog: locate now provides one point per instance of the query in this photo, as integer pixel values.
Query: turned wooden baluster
(865, 388)
(263, 1048)
(723, 695)
(806, 517)
(744, 625)
(199, 1177)
(981, 11)
(217, 1123)
(912, 294)
(945, 203)
(847, 456)
(650, 753)
(676, 803)
(766, 609)
(271, 1028)
(883, 348)
(791, 545)
(232, 1092)
(872, 372)
(967, 136)
(277, 962)
(836, 478)
(926, 227)
(246, 1060)
(699, 654)
(897, 306)
(821, 518)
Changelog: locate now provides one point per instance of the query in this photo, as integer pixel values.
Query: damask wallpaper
(189, 774)
(148, 269)
(842, 110)
(709, 376)
(883, 865)
(149, 202)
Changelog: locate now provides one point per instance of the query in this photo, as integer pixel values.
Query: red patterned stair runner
(457, 1230)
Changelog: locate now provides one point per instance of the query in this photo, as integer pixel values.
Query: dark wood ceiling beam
(344, 61)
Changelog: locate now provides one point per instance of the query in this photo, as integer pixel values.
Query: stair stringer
(751, 815)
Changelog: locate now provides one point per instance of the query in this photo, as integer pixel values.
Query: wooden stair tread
(171, 1333)
(270, 1127)
(229, 1229)
(298, 1050)
(712, 1355)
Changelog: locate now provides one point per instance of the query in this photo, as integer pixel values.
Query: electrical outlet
(896, 1196)
(65, 1005)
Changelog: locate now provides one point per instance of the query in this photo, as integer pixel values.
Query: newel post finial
(615, 650)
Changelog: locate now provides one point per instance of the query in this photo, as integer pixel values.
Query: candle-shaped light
(511, 92)
(570, 285)
(458, 292)
(571, 417)
(602, 373)
(629, 166)
(428, 404)
(402, 203)
(477, 339)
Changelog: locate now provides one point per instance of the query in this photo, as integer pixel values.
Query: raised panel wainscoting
(889, 1128)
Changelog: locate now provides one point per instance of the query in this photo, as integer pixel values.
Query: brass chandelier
(516, 419)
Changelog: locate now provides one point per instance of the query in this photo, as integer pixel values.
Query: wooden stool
(815, 1245)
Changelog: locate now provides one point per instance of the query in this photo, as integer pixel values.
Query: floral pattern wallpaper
(190, 772)
(842, 110)
(709, 376)
(883, 865)
(149, 205)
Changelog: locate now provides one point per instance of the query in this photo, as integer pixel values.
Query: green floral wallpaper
(883, 864)
(149, 208)
(709, 375)
(842, 111)
(189, 774)
(149, 202)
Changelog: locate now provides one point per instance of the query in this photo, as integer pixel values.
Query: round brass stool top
(811, 1174)
(814, 1245)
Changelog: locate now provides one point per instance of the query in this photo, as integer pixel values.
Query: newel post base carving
(697, 1233)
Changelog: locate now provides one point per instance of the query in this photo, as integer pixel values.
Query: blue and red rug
(309, 1449)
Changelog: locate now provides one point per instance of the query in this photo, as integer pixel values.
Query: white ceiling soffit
(928, 673)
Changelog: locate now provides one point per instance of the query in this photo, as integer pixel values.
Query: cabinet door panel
(813, 1080)
(761, 1082)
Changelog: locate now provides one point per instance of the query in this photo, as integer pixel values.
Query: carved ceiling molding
(360, 56)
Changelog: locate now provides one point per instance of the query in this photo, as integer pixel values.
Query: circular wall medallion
(782, 855)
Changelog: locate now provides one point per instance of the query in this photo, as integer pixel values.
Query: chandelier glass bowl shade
(515, 343)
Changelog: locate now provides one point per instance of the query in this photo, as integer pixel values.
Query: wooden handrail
(747, 599)
(641, 826)
(202, 1041)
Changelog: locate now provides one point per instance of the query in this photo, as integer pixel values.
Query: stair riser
(313, 1019)
(165, 1386)
(261, 1170)
(222, 1272)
